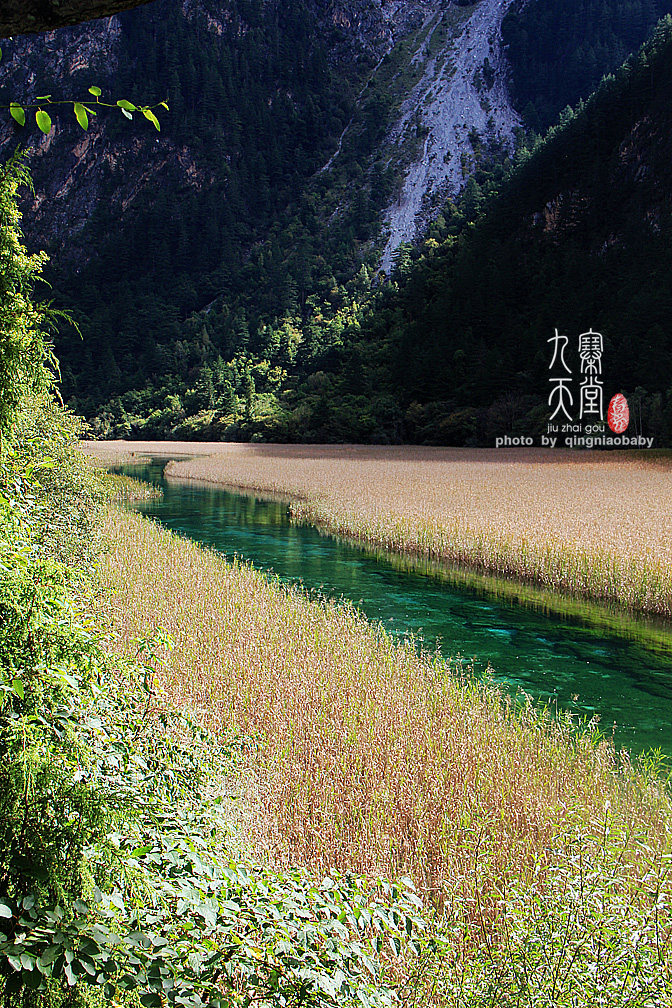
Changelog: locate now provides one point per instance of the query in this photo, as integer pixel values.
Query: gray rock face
(19, 16)
(462, 93)
(69, 190)
(76, 172)
(456, 84)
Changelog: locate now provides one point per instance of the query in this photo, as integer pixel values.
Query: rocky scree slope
(113, 168)
(461, 98)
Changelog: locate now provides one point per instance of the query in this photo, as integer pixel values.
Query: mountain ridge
(371, 33)
(222, 272)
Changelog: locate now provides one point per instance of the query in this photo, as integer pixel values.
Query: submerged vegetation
(124, 489)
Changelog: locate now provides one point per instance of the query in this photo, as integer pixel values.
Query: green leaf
(126, 105)
(95, 91)
(17, 113)
(81, 116)
(5, 911)
(49, 956)
(17, 686)
(148, 114)
(33, 979)
(43, 120)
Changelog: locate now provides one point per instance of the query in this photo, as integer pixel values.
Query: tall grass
(366, 756)
(590, 524)
(125, 489)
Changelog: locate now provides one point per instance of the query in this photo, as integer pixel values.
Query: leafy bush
(585, 929)
(115, 880)
(24, 351)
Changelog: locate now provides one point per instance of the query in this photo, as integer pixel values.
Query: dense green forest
(256, 109)
(454, 349)
(560, 49)
(577, 236)
(260, 108)
(239, 296)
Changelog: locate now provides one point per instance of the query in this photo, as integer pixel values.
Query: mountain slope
(559, 50)
(241, 199)
(580, 236)
(142, 228)
(218, 270)
(460, 100)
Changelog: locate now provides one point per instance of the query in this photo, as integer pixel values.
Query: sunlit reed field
(593, 524)
(365, 756)
(124, 489)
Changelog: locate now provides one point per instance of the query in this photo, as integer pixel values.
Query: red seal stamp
(618, 414)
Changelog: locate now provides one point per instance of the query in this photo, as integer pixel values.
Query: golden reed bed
(593, 524)
(370, 756)
(367, 757)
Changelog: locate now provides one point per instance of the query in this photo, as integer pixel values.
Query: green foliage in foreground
(23, 354)
(115, 882)
(113, 861)
(583, 930)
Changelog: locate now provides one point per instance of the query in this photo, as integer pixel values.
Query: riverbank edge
(654, 633)
(642, 623)
(578, 780)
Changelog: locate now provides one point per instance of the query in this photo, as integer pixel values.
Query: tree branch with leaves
(82, 109)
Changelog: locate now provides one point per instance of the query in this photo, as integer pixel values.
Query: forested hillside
(222, 271)
(239, 210)
(579, 236)
(229, 205)
(162, 225)
(454, 350)
(560, 49)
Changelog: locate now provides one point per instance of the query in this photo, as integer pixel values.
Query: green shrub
(115, 882)
(586, 929)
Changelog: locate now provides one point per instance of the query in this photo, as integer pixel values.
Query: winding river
(604, 665)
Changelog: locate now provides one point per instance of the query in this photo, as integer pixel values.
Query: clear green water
(562, 659)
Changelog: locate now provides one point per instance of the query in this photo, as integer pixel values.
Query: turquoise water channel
(623, 672)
